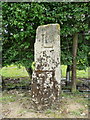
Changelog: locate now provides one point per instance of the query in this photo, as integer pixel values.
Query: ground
(18, 104)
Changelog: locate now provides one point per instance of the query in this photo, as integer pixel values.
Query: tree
(75, 43)
(20, 21)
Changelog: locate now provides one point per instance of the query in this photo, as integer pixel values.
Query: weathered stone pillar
(46, 77)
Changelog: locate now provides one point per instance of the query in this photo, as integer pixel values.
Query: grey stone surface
(46, 77)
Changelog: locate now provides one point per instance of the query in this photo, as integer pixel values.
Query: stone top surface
(47, 35)
(48, 25)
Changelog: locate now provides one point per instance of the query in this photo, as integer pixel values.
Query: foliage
(20, 21)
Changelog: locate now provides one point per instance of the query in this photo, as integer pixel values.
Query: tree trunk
(75, 43)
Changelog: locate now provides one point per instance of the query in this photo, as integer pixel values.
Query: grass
(80, 73)
(78, 97)
(13, 71)
(16, 72)
(22, 112)
(48, 111)
(63, 70)
(77, 101)
(5, 99)
(76, 113)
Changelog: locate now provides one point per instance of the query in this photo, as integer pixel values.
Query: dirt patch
(17, 104)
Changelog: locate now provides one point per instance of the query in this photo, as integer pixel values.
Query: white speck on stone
(83, 114)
